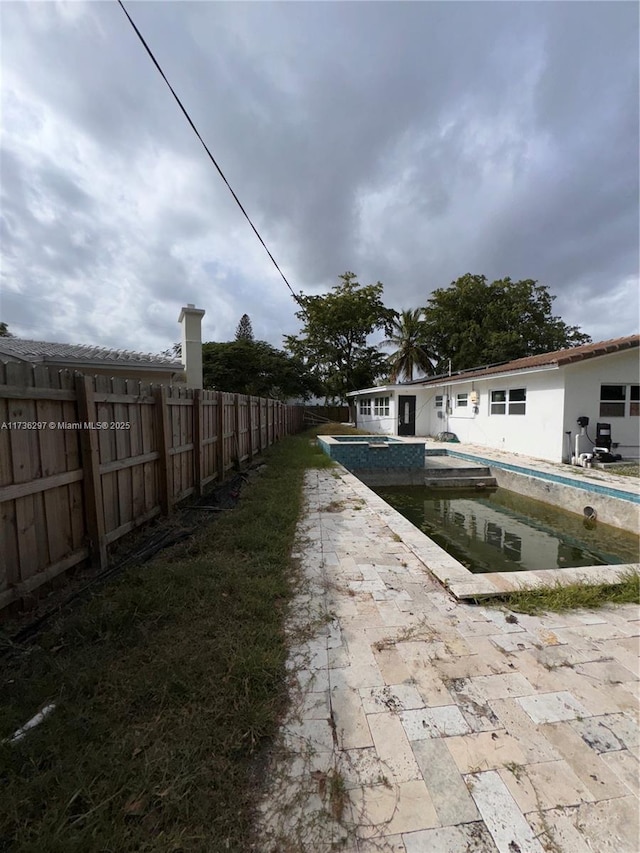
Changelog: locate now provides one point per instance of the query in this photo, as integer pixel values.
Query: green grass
(168, 683)
(572, 596)
(338, 429)
(631, 470)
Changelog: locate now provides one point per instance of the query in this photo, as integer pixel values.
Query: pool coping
(575, 481)
(464, 584)
(382, 438)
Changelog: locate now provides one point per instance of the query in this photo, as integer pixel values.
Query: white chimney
(191, 321)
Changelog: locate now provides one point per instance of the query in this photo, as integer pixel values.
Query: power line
(204, 145)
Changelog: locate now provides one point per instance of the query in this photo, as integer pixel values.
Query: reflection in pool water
(501, 531)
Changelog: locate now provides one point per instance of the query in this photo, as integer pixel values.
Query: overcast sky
(408, 142)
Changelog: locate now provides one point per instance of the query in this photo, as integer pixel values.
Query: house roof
(44, 352)
(559, 358)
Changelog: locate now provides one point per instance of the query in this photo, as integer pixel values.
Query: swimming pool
(501, 531)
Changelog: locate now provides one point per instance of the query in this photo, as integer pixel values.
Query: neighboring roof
(43, 352)
(559, 358)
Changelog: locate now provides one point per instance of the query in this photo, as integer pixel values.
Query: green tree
(409, 338)
(174, 351)
(244, 331)
(4, 331)
(335, 328)
(257, 368)
(473, 323)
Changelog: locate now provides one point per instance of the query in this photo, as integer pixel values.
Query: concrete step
(457, 482)
(457, 471)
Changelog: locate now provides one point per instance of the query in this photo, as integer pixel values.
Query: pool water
(502, 531)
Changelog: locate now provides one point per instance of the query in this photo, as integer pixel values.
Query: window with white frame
(498, 403)
(462, 401)
(365, 407)
(380, 406)
(518, 401)
(512, 402)
(613, 401)
(438, 401)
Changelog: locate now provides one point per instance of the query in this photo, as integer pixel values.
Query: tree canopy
(335, 328)
(244, 330)
(256, 368)
(4, 331)
(409, 338)
(473, 323)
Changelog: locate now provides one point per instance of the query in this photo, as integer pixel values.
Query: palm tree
(408, 336)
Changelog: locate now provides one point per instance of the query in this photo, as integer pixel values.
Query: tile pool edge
(457, 578)
(574, 482)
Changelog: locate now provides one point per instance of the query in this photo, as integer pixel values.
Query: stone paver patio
(420, 724)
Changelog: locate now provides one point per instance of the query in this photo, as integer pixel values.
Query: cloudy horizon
(408, 142)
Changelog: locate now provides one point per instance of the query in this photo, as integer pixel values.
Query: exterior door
(406, 415)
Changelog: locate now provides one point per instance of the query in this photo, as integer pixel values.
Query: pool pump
(600, 451)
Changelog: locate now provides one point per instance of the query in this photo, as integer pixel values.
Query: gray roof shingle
(77, 354)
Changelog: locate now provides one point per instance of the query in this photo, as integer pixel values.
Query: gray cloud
(409, 142)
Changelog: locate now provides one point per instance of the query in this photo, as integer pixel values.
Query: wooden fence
(84, 460)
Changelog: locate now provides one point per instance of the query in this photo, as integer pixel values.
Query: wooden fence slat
(94, 507)
(197, 441)
(221, 435)
(50, 573)
(163, 433)
(134, 414)
(41, 484)
(131, 462)
(26, 392)
(250, 427)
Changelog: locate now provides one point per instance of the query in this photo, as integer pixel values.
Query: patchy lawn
(572, 596)
(168, 685)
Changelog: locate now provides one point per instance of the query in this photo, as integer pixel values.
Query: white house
(528, 406)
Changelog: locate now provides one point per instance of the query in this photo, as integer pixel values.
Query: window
(438, 403)
(517, 401)
(498, 402)
(513, 402)
(380, 405)
(461, 401)
(612, 401)
(634, 404)
(365, 407)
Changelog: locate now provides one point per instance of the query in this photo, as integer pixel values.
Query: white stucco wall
(582, 397)
(377, 424)
(539, 432)
(556, 397)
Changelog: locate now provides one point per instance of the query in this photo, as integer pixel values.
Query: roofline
(453, 380)
(560, 358)
(174, 367)
(50, 360)
(373, 390)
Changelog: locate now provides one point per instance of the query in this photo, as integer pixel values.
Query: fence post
(221, 434)
(250, 425)
(92, 484)
(164, 445)
(259, 424)
(236, 425)
(197, 441)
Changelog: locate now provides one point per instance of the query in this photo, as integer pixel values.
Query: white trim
(381, 389)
